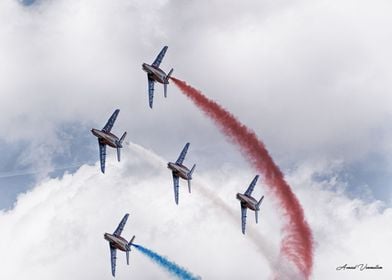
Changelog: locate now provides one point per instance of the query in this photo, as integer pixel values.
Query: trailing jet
(107, 138)
(247, 201)
(117, 242)
(156, 74)
(179, 170)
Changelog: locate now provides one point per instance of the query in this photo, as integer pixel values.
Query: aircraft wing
(150, 91)
(120, 227)
(102, 155)
(113, 257)
(183, 153)
(251, 186)
(176, 186)
(243, 217)
(108, 126)
(159, 58)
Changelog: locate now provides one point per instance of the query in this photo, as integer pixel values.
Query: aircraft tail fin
(168, 75)
(165, 90)
(191, 172)
(258, 203)
(123, 137)
(127, 254)
(131, 241)
(258, 209)
(189, 185)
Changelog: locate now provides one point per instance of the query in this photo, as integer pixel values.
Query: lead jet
(156, 74)
(107, 138)
(117, 242)
(247, 201)
(179, 170)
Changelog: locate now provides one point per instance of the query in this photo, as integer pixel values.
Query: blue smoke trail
(171, 267)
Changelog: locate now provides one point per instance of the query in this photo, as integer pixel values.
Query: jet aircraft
(247, 201)
(156, 74)
(179, 170)
(106, 138)
(117, 242)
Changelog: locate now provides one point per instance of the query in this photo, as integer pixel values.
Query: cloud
(56, 229)
(309, 72)
(346, 230)
(66, 218)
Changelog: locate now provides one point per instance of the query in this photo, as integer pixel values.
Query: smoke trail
(297, 243)
(263, 245)
(26, 172)
(171, 267)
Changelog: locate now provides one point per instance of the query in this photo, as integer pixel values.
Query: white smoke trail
(32, 171)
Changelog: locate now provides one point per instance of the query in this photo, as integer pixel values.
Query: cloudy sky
(311, 78)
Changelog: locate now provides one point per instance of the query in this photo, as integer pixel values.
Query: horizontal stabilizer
(118, 153)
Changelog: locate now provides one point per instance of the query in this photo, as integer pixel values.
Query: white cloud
(56, 230)
(308, 72)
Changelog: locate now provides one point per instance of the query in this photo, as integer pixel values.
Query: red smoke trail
(297, 243)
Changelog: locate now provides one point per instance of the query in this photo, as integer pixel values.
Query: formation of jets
(106, 138)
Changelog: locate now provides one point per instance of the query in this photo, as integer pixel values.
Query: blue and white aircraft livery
(106, 138)
(117, 242)
(156, 74)
(179, 170)
(247, 201)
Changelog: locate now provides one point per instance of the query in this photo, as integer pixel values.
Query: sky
(311, 78)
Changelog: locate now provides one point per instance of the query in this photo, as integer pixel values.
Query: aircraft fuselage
(179, 170)
(117, 242)
(155, 73)
(106, 138)
(247, 201)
